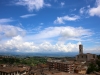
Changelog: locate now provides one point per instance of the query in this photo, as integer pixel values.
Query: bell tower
(80, 49)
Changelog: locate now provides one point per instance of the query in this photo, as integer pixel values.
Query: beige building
(85, 57)
(67, 66)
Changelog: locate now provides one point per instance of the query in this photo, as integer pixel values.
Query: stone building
(85, 57)
(67, 66)
(13, 70)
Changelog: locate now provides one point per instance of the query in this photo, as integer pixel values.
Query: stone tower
(80, 49)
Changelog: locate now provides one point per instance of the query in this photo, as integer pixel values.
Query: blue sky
(49, 25)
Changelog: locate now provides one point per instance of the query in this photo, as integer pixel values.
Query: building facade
(62, 66)
(85, 57)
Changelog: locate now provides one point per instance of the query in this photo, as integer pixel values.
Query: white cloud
(65, 33)
(27, 15)
(5, 20)
(62, 4)
(32, 4)
(82, 10)
(10, 31)
(95, 11)
(92, 11)
(16, 44)
(60, 20)
(93, 49)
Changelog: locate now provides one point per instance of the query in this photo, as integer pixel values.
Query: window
(93, 56)
(86, 56)
(82, 56)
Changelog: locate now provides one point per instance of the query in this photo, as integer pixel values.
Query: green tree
(91, 68)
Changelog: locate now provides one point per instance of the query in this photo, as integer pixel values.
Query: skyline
(49, 25)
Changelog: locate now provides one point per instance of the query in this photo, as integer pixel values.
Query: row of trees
(32, 61)
(94, 66)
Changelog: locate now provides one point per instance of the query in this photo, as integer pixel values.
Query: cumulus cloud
(32, 4)
(27, 15)
(95, 11)
(61, 20)
(16, 44)
(10, 31)
(92, 11)
(19, 44)
(5, 20)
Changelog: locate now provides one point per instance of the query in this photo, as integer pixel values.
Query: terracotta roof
(11, 69)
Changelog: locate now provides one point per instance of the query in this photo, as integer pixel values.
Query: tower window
(86, 56)
(93, 56)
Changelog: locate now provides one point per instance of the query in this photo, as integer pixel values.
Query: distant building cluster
(54, 66)
(75, 66)
(13, 70)
(27, 70)
(68, 66)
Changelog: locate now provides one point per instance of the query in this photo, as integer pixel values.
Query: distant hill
(54, 54)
